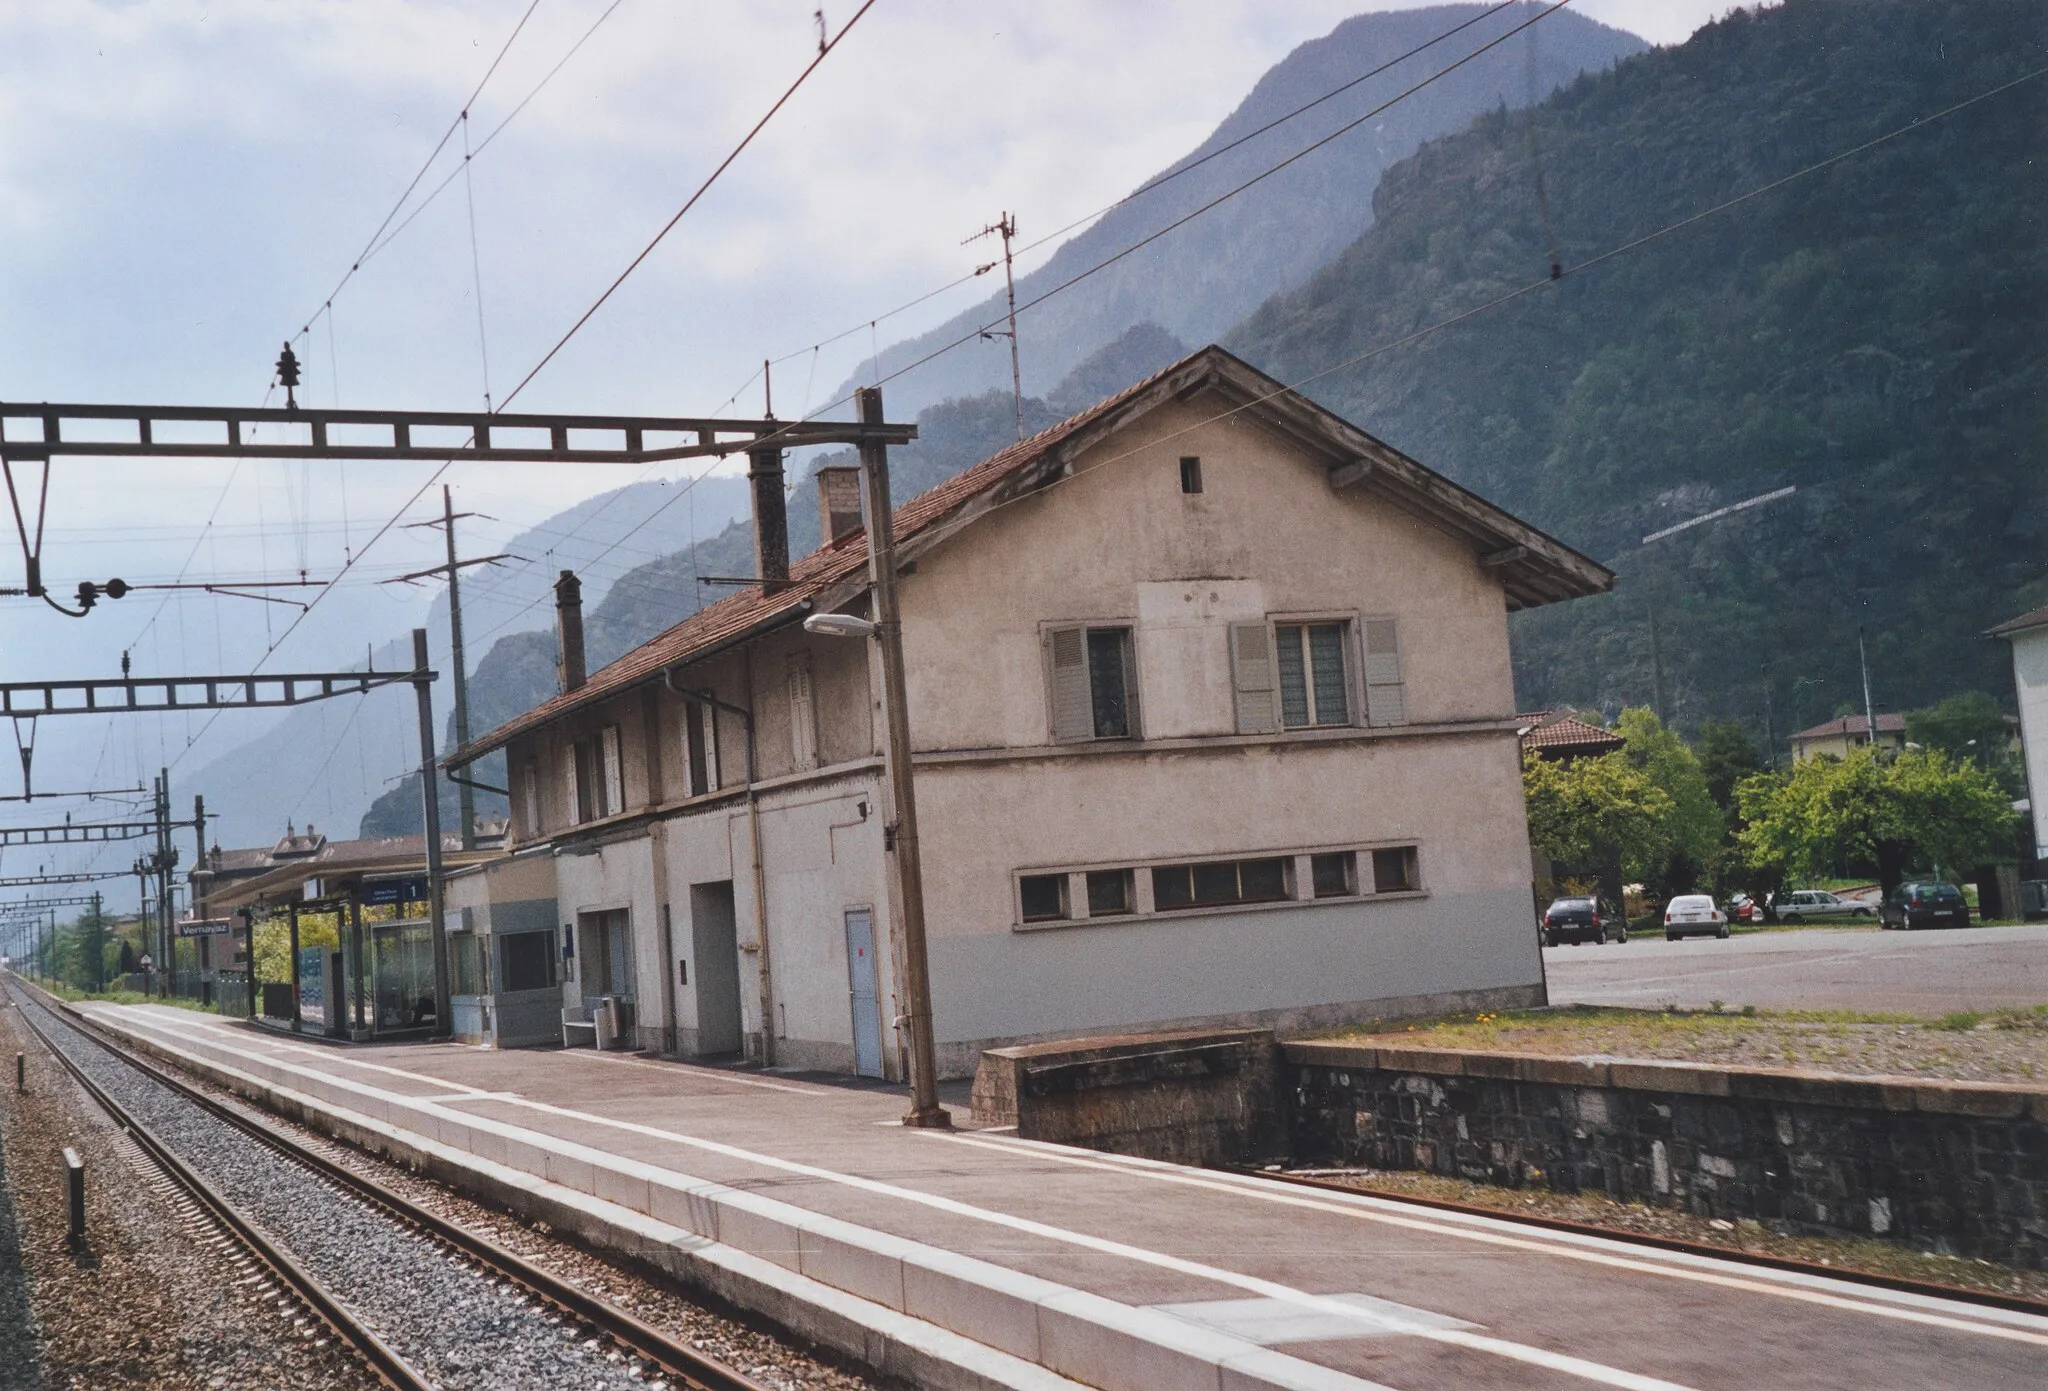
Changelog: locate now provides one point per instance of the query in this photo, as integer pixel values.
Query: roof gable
(1533, 568)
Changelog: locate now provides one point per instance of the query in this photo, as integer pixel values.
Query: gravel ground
(773, 1360)
(1995, 1046)
(150, 1302)
(1848, 1253)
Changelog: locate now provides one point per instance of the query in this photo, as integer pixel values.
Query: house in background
(2028, 637)
(1213, 721)
(1562, 737)
(1834, 738)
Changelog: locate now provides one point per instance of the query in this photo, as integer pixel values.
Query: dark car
(1924, 903)
(1582, 920)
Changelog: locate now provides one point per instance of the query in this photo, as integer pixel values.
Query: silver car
(1818, 905)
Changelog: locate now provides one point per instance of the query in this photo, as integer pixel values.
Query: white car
(1687, 914)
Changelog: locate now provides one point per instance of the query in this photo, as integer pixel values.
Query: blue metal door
(861, 985)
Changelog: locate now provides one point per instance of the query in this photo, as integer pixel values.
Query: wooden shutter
(803, 715)
(1073, 709)
(1384, 701)
(708, 715)
(614, 784)
(531, 803)
(1251, 673)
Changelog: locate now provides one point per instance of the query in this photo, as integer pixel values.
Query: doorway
(863, 988)
(714, 945)
(608, 960)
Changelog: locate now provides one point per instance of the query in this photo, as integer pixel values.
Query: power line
(824, 49)
(1564, 273)
(439, 145)
(1147, 187)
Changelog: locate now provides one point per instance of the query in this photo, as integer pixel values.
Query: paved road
(1927, 972)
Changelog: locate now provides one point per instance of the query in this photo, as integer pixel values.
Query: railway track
(423, 1301)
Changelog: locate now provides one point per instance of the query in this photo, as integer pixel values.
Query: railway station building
(1213, 721)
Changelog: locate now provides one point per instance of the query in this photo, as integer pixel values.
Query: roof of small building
(1561, 731)
(2033, 618)
(1534, 567)
(1852, 725)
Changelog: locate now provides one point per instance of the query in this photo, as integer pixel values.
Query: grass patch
(121, 997)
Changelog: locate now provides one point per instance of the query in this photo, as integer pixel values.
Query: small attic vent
(1191, 473)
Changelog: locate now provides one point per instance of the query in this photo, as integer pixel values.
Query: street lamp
(886, 629)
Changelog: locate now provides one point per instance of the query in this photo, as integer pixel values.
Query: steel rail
(390, 1368)
(675, 1359)
(1900, 1284)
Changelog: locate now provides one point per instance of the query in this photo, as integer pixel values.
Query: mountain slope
(1873, 334)
(1200, 279)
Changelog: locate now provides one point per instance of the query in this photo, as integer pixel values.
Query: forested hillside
(1873, 334)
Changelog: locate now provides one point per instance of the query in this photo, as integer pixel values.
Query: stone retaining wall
(1951, 1166)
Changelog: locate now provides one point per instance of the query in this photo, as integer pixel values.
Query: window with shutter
(1384, 702)
(582, 788)
(1315, 688)
(803, 715)
(695, 748)
(1073, 714)
(529, 809)
(614, 785)
(1251, 671)
(707, 721)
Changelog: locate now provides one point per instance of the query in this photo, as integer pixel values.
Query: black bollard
(74, 1174)
(20, 1074)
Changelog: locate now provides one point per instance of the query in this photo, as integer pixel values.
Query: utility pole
(1006, 228)
(99, 947)
(430, 823)
(453, 568)
(925, 1111)
(1869, 709)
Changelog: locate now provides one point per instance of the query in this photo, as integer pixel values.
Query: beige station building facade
(1213, 720)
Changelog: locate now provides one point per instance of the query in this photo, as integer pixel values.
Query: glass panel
(463, 958)
(1393, 871)
(1332, 874)
(1044, 896)
(1262, 881)
(1173, 886)
(619, 954)
(529, 959)
(1216, 883)
(1107, 687)
(1293, 684)
(1109, 891)
(1326, 659)
(402, 975)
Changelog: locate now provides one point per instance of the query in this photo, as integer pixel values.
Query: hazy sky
(183, 182)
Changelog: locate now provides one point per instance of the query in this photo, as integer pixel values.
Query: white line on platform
(1369, 1209)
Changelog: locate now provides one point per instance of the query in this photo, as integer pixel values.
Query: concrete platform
(980, 1260)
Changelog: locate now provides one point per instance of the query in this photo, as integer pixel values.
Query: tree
(1726, 757)
(1918, 808)
(1592, 809)
(1694, 827)
(1968, 725)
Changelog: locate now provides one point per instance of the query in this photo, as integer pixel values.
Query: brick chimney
(569, 671)
(771, 518)
(838, 502)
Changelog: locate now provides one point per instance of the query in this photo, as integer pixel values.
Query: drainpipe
(746, 716)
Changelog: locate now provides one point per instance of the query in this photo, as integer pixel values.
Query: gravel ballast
(152, 1301)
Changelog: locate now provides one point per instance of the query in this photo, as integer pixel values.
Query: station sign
(395, 890)
(205, 927)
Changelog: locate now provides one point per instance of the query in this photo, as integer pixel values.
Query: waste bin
(606, 1017)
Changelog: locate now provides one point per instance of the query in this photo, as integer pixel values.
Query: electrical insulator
(288, 376)
(115, 589)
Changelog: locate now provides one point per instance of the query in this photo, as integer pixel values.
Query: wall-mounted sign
(205, 927)
(395, 890)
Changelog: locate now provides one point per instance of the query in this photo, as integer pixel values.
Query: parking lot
(1923, 973)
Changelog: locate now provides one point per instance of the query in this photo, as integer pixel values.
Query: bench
(573, 1026)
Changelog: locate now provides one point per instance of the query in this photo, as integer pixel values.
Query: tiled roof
(752, 611)
(2034, 618)
(1547, 729)
(1853, 724)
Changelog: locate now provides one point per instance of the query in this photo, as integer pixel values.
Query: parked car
(1924, 903)
(1818, 905)
(1583, 920)
(1744, 909)
(1688, 915)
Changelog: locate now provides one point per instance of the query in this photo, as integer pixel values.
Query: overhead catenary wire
(1148, 186)
(439, 145)
(824, 51)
